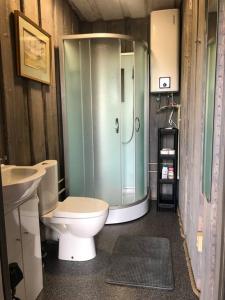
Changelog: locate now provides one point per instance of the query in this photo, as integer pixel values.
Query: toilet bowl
(76, 220)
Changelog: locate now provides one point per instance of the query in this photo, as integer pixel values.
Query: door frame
(3, 250)
(221, 288)
(220, 242)
(220, 255)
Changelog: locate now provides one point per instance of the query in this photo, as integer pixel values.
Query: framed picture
(33, 50)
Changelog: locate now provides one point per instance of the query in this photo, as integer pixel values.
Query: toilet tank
(48, 187)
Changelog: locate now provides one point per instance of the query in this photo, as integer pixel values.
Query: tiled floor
(85, 280)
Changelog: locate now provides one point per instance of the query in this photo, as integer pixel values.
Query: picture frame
(33, 49)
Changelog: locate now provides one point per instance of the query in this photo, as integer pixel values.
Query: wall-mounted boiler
(164, 44)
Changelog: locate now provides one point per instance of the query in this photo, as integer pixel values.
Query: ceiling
(93, 10)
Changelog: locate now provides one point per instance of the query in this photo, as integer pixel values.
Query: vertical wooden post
(3, 249)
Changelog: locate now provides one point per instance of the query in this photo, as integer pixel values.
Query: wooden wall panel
(86, 27)
(49, 92)
(99, 26)
(32, 110)
(187, 37)
(30, 9)
(58, 17)
(214, 214)
(196, 105)
(34, 98)
(138, 28)
(197, 214)
(36, 122)
(191, 115)
(67, 19)
(115, 27)
(15, 98)
(3, 137)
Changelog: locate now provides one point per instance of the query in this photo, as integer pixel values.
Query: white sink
(19, 183)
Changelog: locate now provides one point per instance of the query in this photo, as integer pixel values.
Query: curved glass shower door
(128, 130)
(104, 111)
(73, 125)
(105, 77)
(140, 88)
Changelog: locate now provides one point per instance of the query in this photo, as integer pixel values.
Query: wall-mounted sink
(19, 183)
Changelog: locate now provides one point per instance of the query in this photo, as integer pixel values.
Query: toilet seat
(79, 208)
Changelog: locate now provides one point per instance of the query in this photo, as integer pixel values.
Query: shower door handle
(137, 124)
(117, 125)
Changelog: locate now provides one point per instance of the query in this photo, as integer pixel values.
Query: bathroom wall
(32, 128)
(196, 213)
(2, 133)
(138, 28)
(193, 63)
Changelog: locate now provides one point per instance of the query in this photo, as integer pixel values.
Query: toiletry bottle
(164, 172)
(171, 173)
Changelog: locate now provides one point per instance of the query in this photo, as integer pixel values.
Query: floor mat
(141, 261)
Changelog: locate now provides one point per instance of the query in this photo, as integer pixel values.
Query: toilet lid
(80, 207)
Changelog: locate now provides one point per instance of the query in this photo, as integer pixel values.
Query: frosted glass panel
(73, 119)
(105, 93)
(87, 118)
(140, 76)
(127, 134)
(209, 120)
(105, 74)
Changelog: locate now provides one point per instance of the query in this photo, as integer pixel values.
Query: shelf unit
(167, 188)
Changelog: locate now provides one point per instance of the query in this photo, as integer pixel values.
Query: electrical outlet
(199, 241)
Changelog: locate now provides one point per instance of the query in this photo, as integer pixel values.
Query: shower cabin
(105, 121)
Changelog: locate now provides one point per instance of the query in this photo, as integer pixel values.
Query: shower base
(122, 214)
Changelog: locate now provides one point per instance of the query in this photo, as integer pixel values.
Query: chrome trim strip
(64, 112)
(102, 35)
(114, 207)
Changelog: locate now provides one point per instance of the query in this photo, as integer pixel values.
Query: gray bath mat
(141, 261)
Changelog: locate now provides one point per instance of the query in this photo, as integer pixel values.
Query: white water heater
(165, 38)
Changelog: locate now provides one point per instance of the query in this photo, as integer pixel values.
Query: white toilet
(76, 220)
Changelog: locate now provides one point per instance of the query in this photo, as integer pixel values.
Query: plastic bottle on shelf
(171, 173)
(164, 172)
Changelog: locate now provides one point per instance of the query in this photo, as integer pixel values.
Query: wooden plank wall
(197, 214)
(3, 149)
(214, 213)
(186, 63)
(31, 109)
(191, 131)
(138, 28)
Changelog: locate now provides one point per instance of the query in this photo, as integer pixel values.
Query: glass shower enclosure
(104, 81)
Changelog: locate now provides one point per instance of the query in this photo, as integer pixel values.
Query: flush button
(164, 82)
